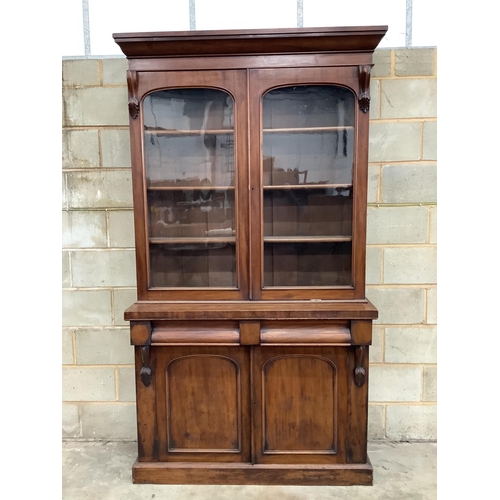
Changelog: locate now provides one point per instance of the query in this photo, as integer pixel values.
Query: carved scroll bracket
(133, 85)
(364, 87)
(145, 373)
(359, 371)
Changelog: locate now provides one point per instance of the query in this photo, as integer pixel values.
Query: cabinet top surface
(323, 309)
(258, 41)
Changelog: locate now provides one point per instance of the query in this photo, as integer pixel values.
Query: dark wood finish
(140, 332)
(251, 61)
(361, 332)
(364, 87)
(140, 209)
(261, 41)
(199, 333)
(217, 310)
(357, 421)
(146, 411)
(300, 400)
(203, 404)
(360, 180)
(359, 371)
(305, 333)
(145, 374)
(242, 473)
(258, 375)
(250, 332)
(133, 102)
(237, 473)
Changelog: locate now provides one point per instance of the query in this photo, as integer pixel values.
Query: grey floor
(102, 471)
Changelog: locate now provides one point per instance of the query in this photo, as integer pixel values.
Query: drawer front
(310, 333)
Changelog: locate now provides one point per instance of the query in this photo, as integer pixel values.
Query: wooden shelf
(309, 130)
(202, 240)
(174, 132)
(190, 188)
(306, 239)
(308, 186)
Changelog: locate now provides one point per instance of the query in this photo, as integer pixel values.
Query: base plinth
(243, 473)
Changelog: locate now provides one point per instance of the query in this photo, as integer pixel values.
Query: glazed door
(306, 173)
(190, 168)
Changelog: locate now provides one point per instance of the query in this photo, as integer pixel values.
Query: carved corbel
(359, 371)
(145, 373)
(133, 85)
(364, 87)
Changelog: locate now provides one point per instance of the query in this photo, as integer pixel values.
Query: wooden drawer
(310, 333)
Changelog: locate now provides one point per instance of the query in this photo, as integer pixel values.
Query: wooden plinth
(242, 473)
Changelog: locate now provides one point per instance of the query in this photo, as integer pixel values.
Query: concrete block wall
(98, 252)
(98, 248)
(401, 244)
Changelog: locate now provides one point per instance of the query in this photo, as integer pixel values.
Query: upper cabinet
(250, 168)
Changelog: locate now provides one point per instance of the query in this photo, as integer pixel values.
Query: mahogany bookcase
(251, 326)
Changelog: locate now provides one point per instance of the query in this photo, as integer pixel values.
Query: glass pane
(193, 265)
(307, 264)
(191, 213)
(308, 135)
(308, 157)
(189, 138)
(308, 212)
(189, 157)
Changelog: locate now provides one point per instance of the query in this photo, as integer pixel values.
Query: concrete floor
(102, 471)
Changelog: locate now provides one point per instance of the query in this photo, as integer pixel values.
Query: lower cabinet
(291, 410)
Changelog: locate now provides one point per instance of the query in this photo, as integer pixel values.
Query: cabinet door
(300, 397)
(203, 404)
(308, 178)
(190, 185)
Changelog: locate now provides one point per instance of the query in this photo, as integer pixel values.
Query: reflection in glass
(193, 265)
(308, 212)
(189, 138)
(308, 158)
(308, 155)
(189, 157)
(308, 135)
(307, 264)
(191, 213)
